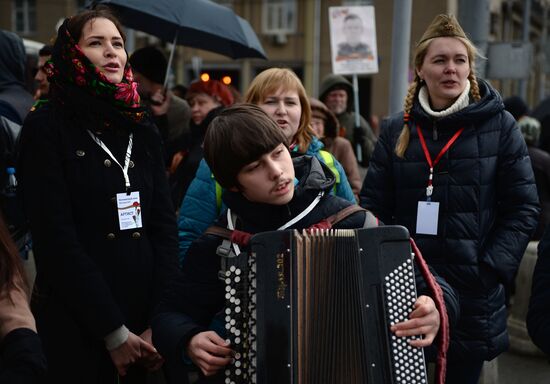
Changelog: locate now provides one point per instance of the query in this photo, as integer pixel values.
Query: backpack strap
(328, 159)
(219, 191)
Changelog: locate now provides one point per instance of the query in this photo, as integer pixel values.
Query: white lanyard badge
(126, 158)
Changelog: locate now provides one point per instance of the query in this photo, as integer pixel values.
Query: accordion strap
(233, 238)
(332, 220)
(443, 343)
(233, 235)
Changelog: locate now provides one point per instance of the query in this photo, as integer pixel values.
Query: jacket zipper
(434, 132)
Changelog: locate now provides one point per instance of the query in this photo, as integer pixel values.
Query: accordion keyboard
(309, 308)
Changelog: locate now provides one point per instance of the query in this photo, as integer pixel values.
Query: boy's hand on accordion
(423, 320)
(209, 352)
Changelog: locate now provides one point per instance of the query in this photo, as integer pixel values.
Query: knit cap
(320, 110)
(151, 63)
(516, 106)
(530, 129)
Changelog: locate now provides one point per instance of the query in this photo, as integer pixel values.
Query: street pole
(401, 39)
(358, 148)
(316, 48)
(542, 55)
(475, 17)
(526, 28)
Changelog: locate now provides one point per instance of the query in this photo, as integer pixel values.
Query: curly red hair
(212, 88)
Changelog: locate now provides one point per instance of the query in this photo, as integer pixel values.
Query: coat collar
(311, 178)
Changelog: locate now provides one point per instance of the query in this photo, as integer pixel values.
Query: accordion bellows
(317, 307)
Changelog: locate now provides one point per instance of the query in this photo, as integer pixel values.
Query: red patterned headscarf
(69, 67)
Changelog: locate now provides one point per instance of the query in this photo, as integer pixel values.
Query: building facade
(295, 34)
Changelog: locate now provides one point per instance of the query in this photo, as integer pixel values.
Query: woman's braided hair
(442, 26)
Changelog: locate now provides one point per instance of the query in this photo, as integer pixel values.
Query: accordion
(316, 307)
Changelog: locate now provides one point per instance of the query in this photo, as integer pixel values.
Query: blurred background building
(295, 34)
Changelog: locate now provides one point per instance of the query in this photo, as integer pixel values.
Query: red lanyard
(430, 188)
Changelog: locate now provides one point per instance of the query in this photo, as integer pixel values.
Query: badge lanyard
(430, 188)
(126, 159)
(297, 218)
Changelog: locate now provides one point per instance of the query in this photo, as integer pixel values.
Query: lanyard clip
(429, 191)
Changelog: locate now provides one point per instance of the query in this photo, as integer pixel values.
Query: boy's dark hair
(239, 136)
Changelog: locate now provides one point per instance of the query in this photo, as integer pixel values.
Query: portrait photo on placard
(353, 39)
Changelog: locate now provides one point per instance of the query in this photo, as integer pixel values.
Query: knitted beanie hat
(530, 129)
(516, 106)
(320, 110)
(151, 63)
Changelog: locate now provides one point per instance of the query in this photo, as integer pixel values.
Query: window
(279, 17)
(24, 16)
(357, 2)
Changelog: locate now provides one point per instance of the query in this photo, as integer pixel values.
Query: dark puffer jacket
(488, 208)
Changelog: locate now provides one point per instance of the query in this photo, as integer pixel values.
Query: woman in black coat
(473, 213)
(95, 191)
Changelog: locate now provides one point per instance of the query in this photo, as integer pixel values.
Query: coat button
(80, 153)
(107, 163)
(136, 235)
(131, 164)
(111, 236)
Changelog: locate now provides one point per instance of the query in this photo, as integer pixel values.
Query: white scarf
(460, 103)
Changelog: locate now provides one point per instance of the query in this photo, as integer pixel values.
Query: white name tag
(129, 210)
(427, 218)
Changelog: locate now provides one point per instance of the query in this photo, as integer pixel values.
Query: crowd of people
(120, 180)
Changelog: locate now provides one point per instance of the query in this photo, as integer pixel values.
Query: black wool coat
(488, 208)
(21, 358)
(93, 277)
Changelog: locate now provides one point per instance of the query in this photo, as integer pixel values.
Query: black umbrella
(200, 24)
(194, 23)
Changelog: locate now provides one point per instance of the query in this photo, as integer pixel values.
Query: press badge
(427, 218)
(129, 210)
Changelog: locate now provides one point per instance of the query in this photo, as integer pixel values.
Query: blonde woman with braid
(453, 168)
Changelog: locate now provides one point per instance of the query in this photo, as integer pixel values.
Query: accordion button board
(317, 307)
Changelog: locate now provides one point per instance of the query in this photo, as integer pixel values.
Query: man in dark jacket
(540, 161)
(171, 113)
(538, 316)
(12, 77)
(254, 165)
(15, 103)
(336, 92)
